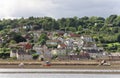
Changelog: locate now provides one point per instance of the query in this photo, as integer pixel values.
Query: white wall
(12, 54)
(24, 57)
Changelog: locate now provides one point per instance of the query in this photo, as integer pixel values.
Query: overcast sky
(58, 8)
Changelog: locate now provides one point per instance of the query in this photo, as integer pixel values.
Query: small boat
(47, 63)
(104, 63)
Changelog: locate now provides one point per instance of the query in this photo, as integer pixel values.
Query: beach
(88, 64)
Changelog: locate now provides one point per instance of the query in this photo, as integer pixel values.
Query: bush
(35, 56)
(14, 58)
(4, 55)
(32, 51)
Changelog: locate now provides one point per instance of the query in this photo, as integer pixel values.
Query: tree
(117, 21)
(118, 38)
(43, 36)
(80, 28)
(19, 38)
(73, 29)
(111, 19)
(42, 39)
(43, 42)
(16, 37)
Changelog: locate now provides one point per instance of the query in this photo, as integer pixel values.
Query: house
(69, 43)
(114, 56)
(46, 53)
(60, 53)
(63, 55)
(62, 46)
(82, 55)
(25, 45)
(43, 51)
(94, 52)
(88, 41)
(52, 43)
(60, 39)
(79, 43)
(60, 33)
(87, 38)
(38, 49)
(20, 54)
(13, 53)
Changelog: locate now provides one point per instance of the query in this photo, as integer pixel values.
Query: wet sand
(59, 65)
(75, 65)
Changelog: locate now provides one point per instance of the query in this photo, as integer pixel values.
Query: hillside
(105, 31)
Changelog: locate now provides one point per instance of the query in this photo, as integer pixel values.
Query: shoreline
(59, 65)
(83, 67)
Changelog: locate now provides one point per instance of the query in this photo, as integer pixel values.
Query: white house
(13, 53)
(21, 55)
(87, 38)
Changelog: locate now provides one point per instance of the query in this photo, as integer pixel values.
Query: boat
(47, 63)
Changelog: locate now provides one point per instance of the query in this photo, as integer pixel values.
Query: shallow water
(58, 71)
(55, 73)
(46, 75)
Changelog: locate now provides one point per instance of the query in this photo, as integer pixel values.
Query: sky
(58, 8)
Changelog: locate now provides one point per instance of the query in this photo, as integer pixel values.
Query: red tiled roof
(26, 45)
(63, 45)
